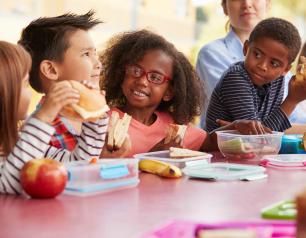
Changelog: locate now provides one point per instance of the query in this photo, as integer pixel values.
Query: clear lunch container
(106, 175)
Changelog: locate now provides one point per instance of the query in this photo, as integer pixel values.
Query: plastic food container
(225, 171)
(292, 144)
(189, 229)
(181, 162)
(106, 175)
(233, 145)
(284, 210)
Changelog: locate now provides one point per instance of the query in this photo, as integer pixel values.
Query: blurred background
(188, 24)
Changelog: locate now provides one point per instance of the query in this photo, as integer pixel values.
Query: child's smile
(140, 93)
(142, 86)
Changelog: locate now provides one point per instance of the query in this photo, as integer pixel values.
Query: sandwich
(176, 153)
(117, 130)
(301, 69)
(175, 130)
(91, 106)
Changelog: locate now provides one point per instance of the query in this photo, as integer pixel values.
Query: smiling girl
(148, 78)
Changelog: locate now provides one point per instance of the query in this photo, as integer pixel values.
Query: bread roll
(91, 106)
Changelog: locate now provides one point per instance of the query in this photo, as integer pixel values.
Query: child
(62, 49)
(148, 78)
(253, 89)
(32, 142)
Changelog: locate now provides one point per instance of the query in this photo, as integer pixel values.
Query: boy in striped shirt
(253, 89)
(62, 49)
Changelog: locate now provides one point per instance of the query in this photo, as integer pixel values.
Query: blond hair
(15, 64)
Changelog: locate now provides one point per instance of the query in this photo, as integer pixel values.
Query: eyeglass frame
(165, 77)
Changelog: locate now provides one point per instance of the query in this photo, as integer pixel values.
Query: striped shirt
(64, 136)
(236, 97)
(34, 143)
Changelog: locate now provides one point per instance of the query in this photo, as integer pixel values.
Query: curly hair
(48, 38)
(129, 48)
(281, 31)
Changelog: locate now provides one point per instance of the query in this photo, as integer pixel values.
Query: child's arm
(246, 127)
(89, 145)
(122, 152)
(296, 94)
(33, 142)
(92, 137)
(238, 102)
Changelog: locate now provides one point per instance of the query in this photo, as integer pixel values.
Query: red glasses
(153, 77)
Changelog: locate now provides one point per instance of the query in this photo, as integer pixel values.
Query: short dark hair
(129, 48)
(48, 38)
(279, 30)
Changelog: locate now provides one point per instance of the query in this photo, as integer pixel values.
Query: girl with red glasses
(146, 77)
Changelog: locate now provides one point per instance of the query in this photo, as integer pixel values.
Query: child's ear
(49, 70)
(245, 47)
(168, 94)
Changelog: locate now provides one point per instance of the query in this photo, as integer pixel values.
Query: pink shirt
(144, 137)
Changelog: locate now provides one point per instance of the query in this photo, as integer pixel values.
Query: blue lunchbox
(292, 144)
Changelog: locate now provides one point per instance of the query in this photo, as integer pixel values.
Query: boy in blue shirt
(253, 89)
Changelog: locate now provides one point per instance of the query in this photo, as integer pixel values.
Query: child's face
(80, 60)
(266, 60)
(141, 93)
(25, 98)
(244, 15)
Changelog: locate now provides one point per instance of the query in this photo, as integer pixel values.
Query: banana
(160, 168)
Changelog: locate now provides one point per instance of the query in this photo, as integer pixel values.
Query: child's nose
(246, 4)
(142, 80)
(263, 65)
(97, 63)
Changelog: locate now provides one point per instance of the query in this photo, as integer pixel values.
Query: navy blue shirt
(236, 97)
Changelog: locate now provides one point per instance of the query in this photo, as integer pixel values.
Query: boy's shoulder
(235, 72)
(236, 67)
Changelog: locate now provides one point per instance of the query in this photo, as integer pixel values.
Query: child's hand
(297, 90)
(246, 127)
(59, 95)
(251, 127)
(176, 142)
(119, 153)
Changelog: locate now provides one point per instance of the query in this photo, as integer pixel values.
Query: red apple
(43, 178)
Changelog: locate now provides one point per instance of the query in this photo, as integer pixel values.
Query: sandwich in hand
(91, 106)
(174, 131)
(176, 153)
(301, 69)
(117, 131)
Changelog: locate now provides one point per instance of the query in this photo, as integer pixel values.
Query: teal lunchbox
(292, 144)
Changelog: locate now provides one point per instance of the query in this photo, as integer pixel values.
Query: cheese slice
(89, 114)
